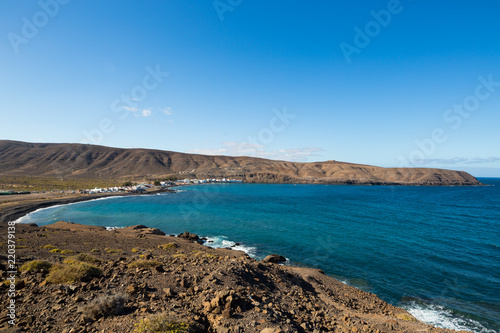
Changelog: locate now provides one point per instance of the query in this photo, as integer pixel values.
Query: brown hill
(100, 162)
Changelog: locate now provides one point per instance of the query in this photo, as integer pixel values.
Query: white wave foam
(223, 242)
(442, 317)
(113, 228)
(28, 217)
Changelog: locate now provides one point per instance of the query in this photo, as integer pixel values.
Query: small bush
(95, 250)
(84, 257)
(105, 306)
(168, 246)
(71, 273)
(35, 265)
(406, 317)
(70, 260)
(162, 324)
(55, 251)
(18, 247)
(109, 250)
(144, 264)
(179, 255)
(48, 246)
(67, 251)
(135, 249)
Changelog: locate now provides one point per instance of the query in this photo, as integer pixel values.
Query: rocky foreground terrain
(78, 278)
(71, 161)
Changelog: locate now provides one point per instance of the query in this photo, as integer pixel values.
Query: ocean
(434, 251)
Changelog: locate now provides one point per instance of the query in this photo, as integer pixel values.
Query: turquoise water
(434, 251)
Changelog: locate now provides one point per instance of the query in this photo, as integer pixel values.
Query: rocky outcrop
(274, 258)
(189, 236)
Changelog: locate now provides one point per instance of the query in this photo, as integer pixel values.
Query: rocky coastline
(79, 278)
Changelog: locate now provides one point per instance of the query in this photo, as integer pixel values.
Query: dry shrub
(168, 246)
(105, 306)
(163, 323)
(36, 265)
(71, 273)
(84, 257)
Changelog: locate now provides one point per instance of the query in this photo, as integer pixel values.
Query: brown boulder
(274, 258)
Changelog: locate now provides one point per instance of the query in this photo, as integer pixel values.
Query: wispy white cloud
(131, 109)
(256, 150)
(149, 111)
(167, 110)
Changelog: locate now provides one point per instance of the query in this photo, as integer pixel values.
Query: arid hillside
(99, 162)
(80, 278)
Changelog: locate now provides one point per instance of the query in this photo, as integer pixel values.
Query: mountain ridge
(70, 160)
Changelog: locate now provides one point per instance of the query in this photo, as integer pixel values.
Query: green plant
(67, 251)
(55, 251)
(168, 246)
(87, 258)
(48, 246)
(71, 273)
(161, 324)
(406, 317)
(35, 265)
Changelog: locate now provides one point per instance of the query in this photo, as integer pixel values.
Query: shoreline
(24, 207)
(27, 207)
(217, 290)
(20, 208)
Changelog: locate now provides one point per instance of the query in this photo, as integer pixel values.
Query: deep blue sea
(434, 251)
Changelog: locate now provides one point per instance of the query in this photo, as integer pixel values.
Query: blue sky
(388, 83)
